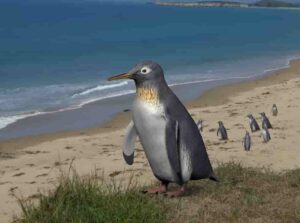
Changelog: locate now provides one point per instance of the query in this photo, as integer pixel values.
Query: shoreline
(230, 90)
(212, 97)
(86, 114)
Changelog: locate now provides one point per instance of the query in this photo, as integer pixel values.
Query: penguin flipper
(128, 147)
(173, 145)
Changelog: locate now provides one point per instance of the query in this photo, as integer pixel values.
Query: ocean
(56, 56)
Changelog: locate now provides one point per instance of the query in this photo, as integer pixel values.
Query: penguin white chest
(150, 123)
(250, 121)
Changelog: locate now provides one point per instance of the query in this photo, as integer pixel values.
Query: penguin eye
(145, 70)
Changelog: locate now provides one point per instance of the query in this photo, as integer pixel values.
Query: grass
(78, 199)
(243, 195)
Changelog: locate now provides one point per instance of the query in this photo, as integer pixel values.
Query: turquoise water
(57, 56)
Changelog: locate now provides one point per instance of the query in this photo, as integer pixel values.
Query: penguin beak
(121, 76)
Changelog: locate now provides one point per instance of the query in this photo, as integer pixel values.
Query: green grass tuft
(89, 200)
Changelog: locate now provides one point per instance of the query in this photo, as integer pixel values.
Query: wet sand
(33, 163)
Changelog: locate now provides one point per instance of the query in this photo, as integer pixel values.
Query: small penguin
(265, 121)
(264, 125)
(266, 135)
(247, 141)
(200, 125)
(222, 133)
(274, 110)
(253, 123)
(171, 140)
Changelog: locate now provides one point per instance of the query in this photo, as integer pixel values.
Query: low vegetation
(243, 195)
(78, 199)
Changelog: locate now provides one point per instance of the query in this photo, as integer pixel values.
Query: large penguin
(170, 137)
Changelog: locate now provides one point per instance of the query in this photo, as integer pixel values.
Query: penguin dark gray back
(247, 141)
(264, 124)
(265, 121)
(266, 135)
(222, 132)
(253, 123)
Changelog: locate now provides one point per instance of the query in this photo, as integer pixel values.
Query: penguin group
(254, 127)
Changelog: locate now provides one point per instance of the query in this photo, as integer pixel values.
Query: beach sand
(32, 164)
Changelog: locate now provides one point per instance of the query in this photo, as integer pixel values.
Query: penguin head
(250, 116)
(144, 73)
(263, 114)
(220, 123)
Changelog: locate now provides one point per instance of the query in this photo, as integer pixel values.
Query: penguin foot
(159, 190)
(176, 193)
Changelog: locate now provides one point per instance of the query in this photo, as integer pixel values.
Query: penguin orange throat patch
(149, 95)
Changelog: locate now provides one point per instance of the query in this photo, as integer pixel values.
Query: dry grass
(243, 195)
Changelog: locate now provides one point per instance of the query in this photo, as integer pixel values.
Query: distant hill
(261, 3)
(203, 4)
(274, 3)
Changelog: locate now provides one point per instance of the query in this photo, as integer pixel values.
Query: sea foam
(99, 88)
